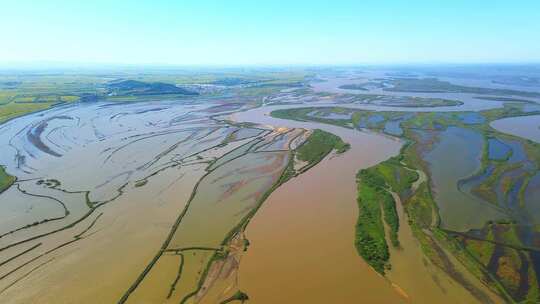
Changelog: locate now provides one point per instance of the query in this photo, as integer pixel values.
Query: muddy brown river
(302, 239)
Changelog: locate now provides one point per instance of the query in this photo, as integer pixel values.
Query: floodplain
(354, 183)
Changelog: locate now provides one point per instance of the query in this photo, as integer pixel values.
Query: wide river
(302, 239)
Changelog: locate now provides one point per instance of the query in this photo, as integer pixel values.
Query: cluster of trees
(319, 144)
(370, 233)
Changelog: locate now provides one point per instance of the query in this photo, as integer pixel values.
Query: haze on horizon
(244, 32)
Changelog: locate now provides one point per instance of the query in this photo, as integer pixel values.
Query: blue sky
(238, 32)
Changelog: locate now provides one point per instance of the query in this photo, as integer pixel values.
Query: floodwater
(527, 127)
(393, 127)
(100, 187)
(302, 238)
(448, 164)
(497, 150)
(97, 180)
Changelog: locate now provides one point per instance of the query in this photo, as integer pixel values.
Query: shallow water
(470, 103)
(471, 118)
(419, 278)
(527, 127)
(448, 163)
(532, 197)
(393, 128)
(497, 150)
(123, 173)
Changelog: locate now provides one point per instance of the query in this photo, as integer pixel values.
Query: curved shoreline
(527, 127)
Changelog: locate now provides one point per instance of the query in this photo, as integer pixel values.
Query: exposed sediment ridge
(147, 169)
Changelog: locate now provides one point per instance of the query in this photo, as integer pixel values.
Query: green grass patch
(13, 110)
(69, 98)
(396, 175)
(6, 180)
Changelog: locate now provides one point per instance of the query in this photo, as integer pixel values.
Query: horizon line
(39, 65)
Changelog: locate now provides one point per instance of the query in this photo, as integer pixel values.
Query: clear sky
(239, 32)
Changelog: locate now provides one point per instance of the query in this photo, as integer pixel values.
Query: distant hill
(135, 87)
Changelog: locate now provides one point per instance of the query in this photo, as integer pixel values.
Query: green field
(6, 180)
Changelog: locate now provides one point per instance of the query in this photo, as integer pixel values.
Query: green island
(319, 144)
(375, 187)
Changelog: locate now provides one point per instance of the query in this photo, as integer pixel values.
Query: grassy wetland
(234, 186)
